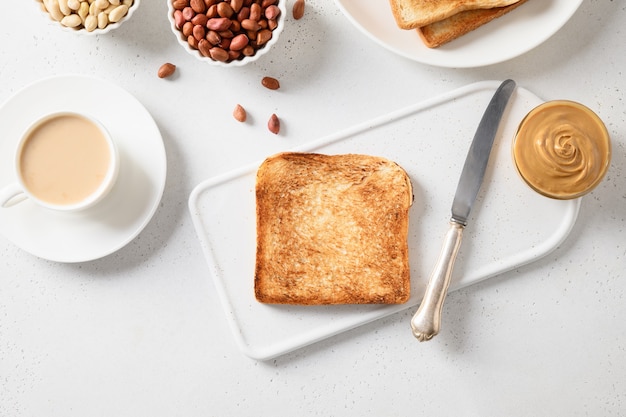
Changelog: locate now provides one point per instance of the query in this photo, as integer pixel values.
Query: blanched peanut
(83, 10)
(73, 4)
(102, 4)
(71, 21)
(64, 7)
(91, 23)
(118, 13)
(103, 20)
(53, 9)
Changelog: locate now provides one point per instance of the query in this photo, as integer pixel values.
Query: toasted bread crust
(332, 229)
(455, 26)
(412, 14)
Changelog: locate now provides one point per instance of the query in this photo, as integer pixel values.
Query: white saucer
(123, 214)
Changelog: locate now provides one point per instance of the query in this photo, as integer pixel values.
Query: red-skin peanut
(226, 34)
(255, 11)
(239, 42)
(188, 29)
(225, 44)
(272, 12)
(166, 70)
(219, 54)
(199, 32)
(273, 124)
(193, 42)
(212, 11)
(179, 19)
(224, 10)
(218, 24)
(198, 6)
(240, 113)
(188, 13)
(249, 24)
(204, 47)
(244, 13)
(270, 82)
(266, 3)
(180, 4)
(263, 37)
(213, 37)
(236, 5)
(298, 9)
(200, 19)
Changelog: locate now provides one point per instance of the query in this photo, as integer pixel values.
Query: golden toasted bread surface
(412, 14)
(332, 229)
(457, 25)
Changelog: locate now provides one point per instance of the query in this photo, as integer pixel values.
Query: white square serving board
(511, 225)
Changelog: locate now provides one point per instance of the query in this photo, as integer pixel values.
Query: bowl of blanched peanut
(92, 17)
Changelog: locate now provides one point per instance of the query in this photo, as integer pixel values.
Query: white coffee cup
(64, 161)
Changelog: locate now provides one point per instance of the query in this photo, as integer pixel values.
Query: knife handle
(427, 319)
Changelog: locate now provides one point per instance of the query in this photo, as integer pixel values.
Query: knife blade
(427, 320)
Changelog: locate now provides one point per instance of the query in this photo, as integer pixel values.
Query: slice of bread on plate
(332, 229)
(412, 14)
(457, 25)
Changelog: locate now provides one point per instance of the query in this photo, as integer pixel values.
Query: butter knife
(427, 320)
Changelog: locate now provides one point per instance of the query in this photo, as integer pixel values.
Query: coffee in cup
(64, 161)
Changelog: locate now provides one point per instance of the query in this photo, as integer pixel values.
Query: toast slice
(412, 14)
(455, 26)
(332, 229)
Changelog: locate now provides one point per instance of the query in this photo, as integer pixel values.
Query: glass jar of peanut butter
(562, 149)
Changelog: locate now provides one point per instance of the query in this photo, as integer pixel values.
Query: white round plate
(502, 39)
(125, 211)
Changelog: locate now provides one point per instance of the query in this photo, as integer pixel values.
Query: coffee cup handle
(9, 193)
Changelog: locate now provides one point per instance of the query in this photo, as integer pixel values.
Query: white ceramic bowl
(81, 30)
(235, 63)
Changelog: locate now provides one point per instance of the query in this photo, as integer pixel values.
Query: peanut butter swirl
(562, 149)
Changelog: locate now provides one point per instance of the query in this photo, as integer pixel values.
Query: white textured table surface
(141, 332)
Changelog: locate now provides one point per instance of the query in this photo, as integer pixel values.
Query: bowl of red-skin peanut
(89, 17)
(227, 32)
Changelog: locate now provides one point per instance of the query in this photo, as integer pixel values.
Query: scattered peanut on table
(270, 82)
(298, 9)
(240, 113)
(273, 124)
(166, 70)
